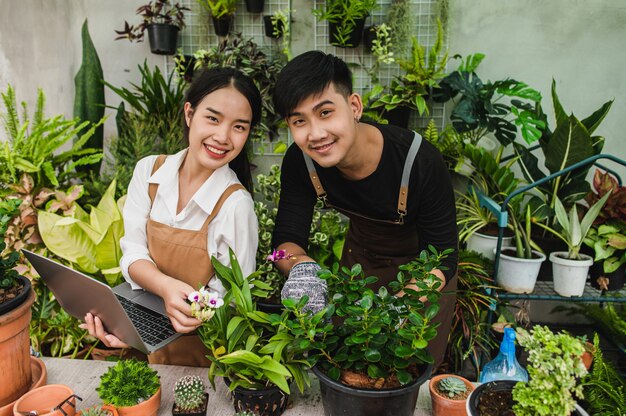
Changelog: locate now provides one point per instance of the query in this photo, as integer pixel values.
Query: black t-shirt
(430, 206)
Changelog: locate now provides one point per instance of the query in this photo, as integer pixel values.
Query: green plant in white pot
(570, 269)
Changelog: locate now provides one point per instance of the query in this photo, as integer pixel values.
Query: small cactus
(189, 393)
(452, 386)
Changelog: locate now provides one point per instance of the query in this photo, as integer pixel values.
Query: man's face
(324, 126)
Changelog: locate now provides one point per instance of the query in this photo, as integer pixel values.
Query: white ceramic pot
(486, 244)
(517, 275)
(569, 276)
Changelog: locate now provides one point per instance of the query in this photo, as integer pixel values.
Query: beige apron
(182, 254)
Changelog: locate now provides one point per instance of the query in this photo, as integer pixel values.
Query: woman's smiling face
(218, 127)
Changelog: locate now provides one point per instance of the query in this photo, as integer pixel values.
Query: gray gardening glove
(302, 281)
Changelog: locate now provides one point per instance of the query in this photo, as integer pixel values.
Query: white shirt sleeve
(238, 229)
(134, 244)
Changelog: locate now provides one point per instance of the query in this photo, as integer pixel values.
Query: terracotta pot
(14, 352)
(444, 406)
(39, 376)
(587, 356)
(112, 410)
(149, 407)
(44, 399)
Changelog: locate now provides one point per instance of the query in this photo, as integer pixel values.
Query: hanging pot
(518, 275)
(222, 25)
(486, 244)
(255, 6)
(163, 38)
(340, 399)
(269, 402)
(354, 38)
(271, 30)
(399, 116)
(570, 276)
(615, 279)
(14, 347)
(369, 35)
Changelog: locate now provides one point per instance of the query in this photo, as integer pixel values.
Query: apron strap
(232, 188)
(406, 173)
(404, 184)
(152, 188)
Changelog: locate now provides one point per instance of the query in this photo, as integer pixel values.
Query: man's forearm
(294, 255)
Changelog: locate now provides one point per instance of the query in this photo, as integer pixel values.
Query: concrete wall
(579, 43)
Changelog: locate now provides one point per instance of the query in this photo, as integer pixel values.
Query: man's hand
(302, 281)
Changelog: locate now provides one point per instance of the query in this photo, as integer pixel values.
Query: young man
(392, 185)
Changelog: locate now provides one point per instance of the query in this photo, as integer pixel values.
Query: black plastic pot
(474, 398)
(255, 6)
(269, 27)
(163, 38)
(19, 299)
(399, 116)
(201, 412)
(616, 278)
(369, 35)
(339, 399)
(221, 26)
(353, 40)
(269, 402)
(187, 65)
(270, 307)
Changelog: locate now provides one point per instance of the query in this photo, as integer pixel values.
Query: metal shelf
(544, 291)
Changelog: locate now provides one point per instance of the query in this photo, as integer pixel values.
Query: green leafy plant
(189, 393)
(9, 278)
(128, 383)
(281, 24)
(159, 12)
(34, 146)
(245, 414)
(381, 335)
(252, 349)
(452, 386)
(219, 8)
(401, 21)
(90, 242)
(499, 107)
(574, 231)
(604, 388)
(554, 368)
(344, 14)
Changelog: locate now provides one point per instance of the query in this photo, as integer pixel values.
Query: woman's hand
(174, 296)
(94, 326)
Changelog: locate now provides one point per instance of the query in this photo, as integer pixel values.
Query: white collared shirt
(235, 225)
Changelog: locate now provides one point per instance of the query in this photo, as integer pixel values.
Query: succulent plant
(189, 393)
(95, 411)
(452, 386)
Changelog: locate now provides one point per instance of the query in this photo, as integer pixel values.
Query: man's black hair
(307, 75)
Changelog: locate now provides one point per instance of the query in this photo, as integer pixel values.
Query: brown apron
(182, 254)
(380, 246)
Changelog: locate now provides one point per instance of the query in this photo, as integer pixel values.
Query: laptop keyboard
(153, 327)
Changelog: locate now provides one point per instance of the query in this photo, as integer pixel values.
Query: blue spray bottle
(505, 365)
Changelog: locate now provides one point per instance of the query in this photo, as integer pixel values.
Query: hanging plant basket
(272, 30)
(352, 39)
(399, 116)
(222, 25)
(255, 6)
(163, 38)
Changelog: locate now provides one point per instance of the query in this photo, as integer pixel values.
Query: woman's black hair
(214, 79)
(309, 74)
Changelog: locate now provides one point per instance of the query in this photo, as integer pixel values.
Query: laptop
(137, 317)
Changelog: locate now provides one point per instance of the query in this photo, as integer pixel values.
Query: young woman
(184, 208)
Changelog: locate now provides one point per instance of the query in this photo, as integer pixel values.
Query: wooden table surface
(83, 376)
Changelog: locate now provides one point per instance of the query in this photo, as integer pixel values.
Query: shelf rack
(543, 290)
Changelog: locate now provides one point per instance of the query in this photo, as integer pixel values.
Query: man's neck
(364, 156)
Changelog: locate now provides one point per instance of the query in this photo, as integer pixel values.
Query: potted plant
(255, 6)
(346, 19)
(448, 393)
(570, 269)
(132, 387)
(16, 298)
(370, 346)
(253, 351)
(49, 400)
(607, 236)
(278, 26)
(162, 19)
(190, 397)
(99, 411)
(222, 12)
(555, 370)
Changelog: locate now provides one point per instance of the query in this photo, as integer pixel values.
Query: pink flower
(277, 255)
(214, 301)
(194, 297)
